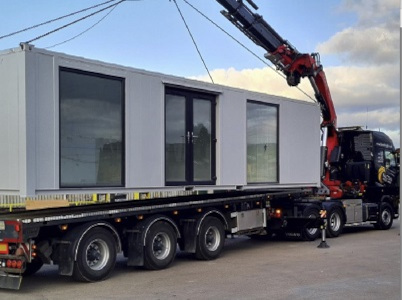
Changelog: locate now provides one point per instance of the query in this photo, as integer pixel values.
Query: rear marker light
(12, 264)
(19, 264)
(277, 213)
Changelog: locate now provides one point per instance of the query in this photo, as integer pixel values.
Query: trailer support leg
(323, 243)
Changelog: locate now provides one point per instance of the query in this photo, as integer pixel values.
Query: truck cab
(366, 158)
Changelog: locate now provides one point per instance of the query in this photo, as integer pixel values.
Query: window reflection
(262, 132)
(175, 138)
(202, 140)
(91, 129)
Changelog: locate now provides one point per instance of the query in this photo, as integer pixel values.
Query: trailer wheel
(335, 223)
(96, 256)
(310, 234)
(210, 240)
(34, 266)
(386, 217)
(160, 246)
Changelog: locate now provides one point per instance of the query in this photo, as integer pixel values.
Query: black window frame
(123, 126)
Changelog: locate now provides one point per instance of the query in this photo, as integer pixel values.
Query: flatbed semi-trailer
(84, 241)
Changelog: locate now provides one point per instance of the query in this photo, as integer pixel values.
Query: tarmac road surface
(362, 263)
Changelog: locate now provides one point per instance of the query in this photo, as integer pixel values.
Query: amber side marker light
(63, 227)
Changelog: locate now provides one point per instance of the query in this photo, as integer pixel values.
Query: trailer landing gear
(323, 228)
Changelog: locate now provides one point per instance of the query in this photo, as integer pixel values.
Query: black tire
(311, 234)
(96, 256)
(160, 246)
(210, 240)
(335, 223)
(34, 266)
(385, 218)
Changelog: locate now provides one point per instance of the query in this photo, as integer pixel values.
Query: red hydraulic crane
(294, 65)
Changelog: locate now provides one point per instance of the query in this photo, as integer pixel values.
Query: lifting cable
(195, 44)
(245, 47)
(81, 33)
(71, 23)
(53, 20)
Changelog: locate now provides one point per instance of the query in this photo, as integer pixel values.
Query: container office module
(74, 125)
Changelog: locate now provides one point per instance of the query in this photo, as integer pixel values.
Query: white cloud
(354, 87)
(371, 12)
(264, 80)
(382, 119)
(374, 39)
(374, 45)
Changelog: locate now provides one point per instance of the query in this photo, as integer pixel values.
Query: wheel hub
(212, 239)
(161, 246)
(97, 255)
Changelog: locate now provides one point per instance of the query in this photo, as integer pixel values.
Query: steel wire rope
(86, 30)
(73, 22)
(245, 47)
(53, 20)
(194, 42)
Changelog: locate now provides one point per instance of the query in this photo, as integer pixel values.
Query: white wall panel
(47, 125)
(299, 140)
(12, 77)
(144, 131)
(232, 138)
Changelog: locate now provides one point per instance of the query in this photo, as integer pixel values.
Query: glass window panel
(202, 140)
(175, 138)
(262, 132)
(91, 129)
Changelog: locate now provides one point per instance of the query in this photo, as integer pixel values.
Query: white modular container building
(75, 125)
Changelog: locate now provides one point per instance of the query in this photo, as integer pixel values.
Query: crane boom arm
(283, 55)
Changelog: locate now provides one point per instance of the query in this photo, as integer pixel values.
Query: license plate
(3, 248)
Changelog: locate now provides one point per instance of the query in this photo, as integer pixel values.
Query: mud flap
(189, 235)
(10, 281)
(64, 256)
(135, 248)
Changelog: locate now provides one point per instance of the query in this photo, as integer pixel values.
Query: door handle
(193, 137)
(189, 139)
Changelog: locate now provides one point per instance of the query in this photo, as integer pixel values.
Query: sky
(358, 42)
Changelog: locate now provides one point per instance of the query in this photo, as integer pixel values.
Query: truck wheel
(386, 217)
(160, 246)
(34, 266)
(335, 223)
(96, 256)
(210, 240)
(310, 234)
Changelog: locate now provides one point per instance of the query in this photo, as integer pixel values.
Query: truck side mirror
(336, 155)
